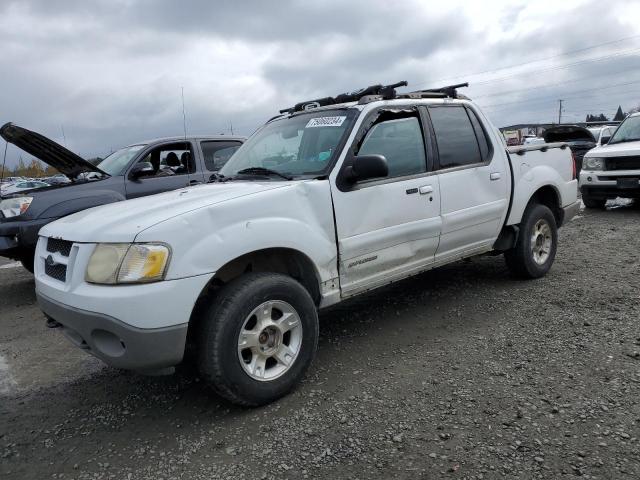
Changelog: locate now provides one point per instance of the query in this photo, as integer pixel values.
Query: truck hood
(568, 133)
(47, 150)
(622, 149)
(123, 221)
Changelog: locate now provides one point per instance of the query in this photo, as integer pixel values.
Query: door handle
(495, 176)
(425, 189)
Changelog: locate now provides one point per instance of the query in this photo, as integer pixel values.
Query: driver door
(388, 227)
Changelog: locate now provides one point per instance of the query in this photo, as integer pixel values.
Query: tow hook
(51, 323)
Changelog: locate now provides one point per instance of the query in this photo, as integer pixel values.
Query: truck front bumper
(17, 236)
(610, 184)
(115, 342)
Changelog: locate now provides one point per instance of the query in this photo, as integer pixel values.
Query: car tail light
(573, 166)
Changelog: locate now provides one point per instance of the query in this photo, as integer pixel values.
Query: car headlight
(115, 263)
(12, 207)
(593, 163)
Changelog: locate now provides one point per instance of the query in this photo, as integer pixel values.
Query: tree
(597, 118)
(619, 115)
(635, 109)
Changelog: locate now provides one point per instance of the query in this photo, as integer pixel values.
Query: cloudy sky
(110, 72)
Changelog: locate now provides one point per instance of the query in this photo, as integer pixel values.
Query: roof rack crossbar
(449, 91)
(384, 91)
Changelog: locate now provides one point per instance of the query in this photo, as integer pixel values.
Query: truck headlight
(116, 263)
(12, 207)
(593, 163)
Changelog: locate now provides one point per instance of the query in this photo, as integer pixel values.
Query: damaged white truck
(330, 199)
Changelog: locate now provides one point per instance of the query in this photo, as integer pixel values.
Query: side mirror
(605, 140)
(142, 169)
(365, 167)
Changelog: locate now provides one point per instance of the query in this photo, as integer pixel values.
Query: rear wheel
(535, 249)
(591, 202)
(259, 335)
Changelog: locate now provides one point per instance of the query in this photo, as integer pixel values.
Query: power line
(533, 61)
(573, 93)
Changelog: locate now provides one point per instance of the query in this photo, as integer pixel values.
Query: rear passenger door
(473, 181)
(216, 153)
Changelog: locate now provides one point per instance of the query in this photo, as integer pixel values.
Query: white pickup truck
(330, 199)
(613, 169)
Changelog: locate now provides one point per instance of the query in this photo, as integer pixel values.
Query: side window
(455, 137)
(170, 159)
(401, 142)
(483, 142)
(216, 153)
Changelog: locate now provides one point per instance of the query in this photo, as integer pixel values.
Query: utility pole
(560, 112)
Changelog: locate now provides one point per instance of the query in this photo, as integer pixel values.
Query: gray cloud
(111, 71)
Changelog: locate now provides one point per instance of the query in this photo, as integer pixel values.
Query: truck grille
(57, 271)
(63, 247)
(623, 163)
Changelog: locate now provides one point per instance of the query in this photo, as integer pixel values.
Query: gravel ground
(458, 373)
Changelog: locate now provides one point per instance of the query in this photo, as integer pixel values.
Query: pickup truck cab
(138, 170)
(613, 169)
(330, 199)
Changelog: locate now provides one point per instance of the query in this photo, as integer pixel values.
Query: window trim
(483, 163)
(361, 134)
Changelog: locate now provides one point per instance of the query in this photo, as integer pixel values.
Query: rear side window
(217, 153)
(455, 137)
(401, 143)
(483, 143)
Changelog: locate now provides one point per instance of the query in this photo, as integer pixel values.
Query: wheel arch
(287, 261)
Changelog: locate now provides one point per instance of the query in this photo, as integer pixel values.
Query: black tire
(520, 259)
(220, 326)
(27, 260)
(591, 202)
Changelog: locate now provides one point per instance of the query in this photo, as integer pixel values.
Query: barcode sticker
(325, 122)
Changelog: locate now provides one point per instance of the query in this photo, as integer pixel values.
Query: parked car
(23, 186)
(613, 169)
(331, 199)
(602, 134)
(58, 179)
(134, 171)
(532, 140)
(580, 139)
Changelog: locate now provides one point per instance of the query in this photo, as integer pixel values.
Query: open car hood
(48, 151)
(568, 133)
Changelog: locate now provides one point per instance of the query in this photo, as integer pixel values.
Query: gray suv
(138, 170)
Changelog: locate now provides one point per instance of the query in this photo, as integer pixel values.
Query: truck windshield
(116, 163)
(628, 131)
(298, 146)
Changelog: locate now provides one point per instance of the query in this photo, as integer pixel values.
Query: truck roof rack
(378, 92)
(384, 92)
(450, 91)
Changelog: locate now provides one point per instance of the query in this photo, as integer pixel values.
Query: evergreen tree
(619, 115)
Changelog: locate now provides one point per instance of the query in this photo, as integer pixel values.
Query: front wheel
(591, 202)
(535, 249)
(259, 335)
(27, 260)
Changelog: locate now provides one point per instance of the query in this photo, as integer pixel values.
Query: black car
(579, 139)
(138, 170)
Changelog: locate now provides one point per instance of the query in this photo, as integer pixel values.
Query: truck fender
(530, 181)
(81, 202)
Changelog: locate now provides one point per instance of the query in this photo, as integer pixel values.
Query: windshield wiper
(218, 177)
(264, 171)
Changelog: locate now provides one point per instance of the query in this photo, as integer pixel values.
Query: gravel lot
(461, 373)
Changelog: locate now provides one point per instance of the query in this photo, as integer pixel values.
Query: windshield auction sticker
(325, 122)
